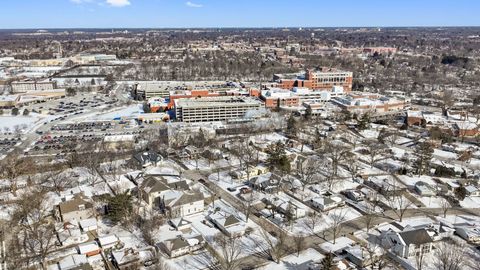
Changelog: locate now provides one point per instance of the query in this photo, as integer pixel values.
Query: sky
(44, 14)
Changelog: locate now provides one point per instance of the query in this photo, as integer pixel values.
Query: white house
(187, 203)
(108, 241)
(325, 203)
(89, 249)
(408, 243)
(71, 262)
(88, 225)
(228, 224)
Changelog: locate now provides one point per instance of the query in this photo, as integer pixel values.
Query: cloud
(118, 3)
(193, 5)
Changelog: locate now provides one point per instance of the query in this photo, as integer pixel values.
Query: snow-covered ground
(304, 261)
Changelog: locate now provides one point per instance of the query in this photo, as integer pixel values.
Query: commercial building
(322, 79)
(210, 109)
(364, 102)
(29, 86)
(326, 79)
(279, 98)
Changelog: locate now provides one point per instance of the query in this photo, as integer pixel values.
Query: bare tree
(308, 171)
(57, 181)
(274, 247)
(312, 220)
(336, 224)
(450, 256)
(336, 152)
(247, 203)
(370, 217)
(299, 242)
(420, 258)
(230, 250)
(445, 205)
(376, 151)
(399, 204)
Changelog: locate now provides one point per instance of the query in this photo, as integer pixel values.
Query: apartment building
(209, 109)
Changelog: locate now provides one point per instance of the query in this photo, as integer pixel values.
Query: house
(325, 203)
(156, 189)
(74, 262)
(77, 208)
(354, 195)
(89, 249)
(88, 225)
(180, 224)
(472, 191)
(424, 189)
(125, 259)
(268, 183)
(180, 245)
(387, 187)
(408, 243)
(230, 225)
(108, 241)
(187, 203)
(287, 207)
(468, 232)
(147, 159)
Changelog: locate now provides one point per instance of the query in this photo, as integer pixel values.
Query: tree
(230, 250)
(352, 165)
(70, 92)
(336, 152)
(15, 111)
(460, 193)
(308, 113)
(120, 208)
(336, 223)
(277, 158)
(292, 127)
(399, 205)
(308, 171)
(56, 181)
(36, 232)
(450, 256)
(275, 250)
(423, 153)
(26, 112)
(364, 122)
(445, 205)
(327, 262)
(376, 151)
(299, 242)
(420, 258)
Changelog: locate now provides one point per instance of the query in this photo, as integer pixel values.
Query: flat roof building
(209, 109)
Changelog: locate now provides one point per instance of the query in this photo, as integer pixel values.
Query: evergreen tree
(292, 126)
(424, 153)
(364, 122)
(119, 207)
(327, 262)
(277, 158)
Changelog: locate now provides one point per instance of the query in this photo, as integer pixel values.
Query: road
(315, 240)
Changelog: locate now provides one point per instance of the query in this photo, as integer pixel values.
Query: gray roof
(416, 237)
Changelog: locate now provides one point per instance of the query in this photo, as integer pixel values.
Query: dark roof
(416, 237)
(152, 184)
(145, 157)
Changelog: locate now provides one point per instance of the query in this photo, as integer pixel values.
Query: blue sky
(236, 13)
